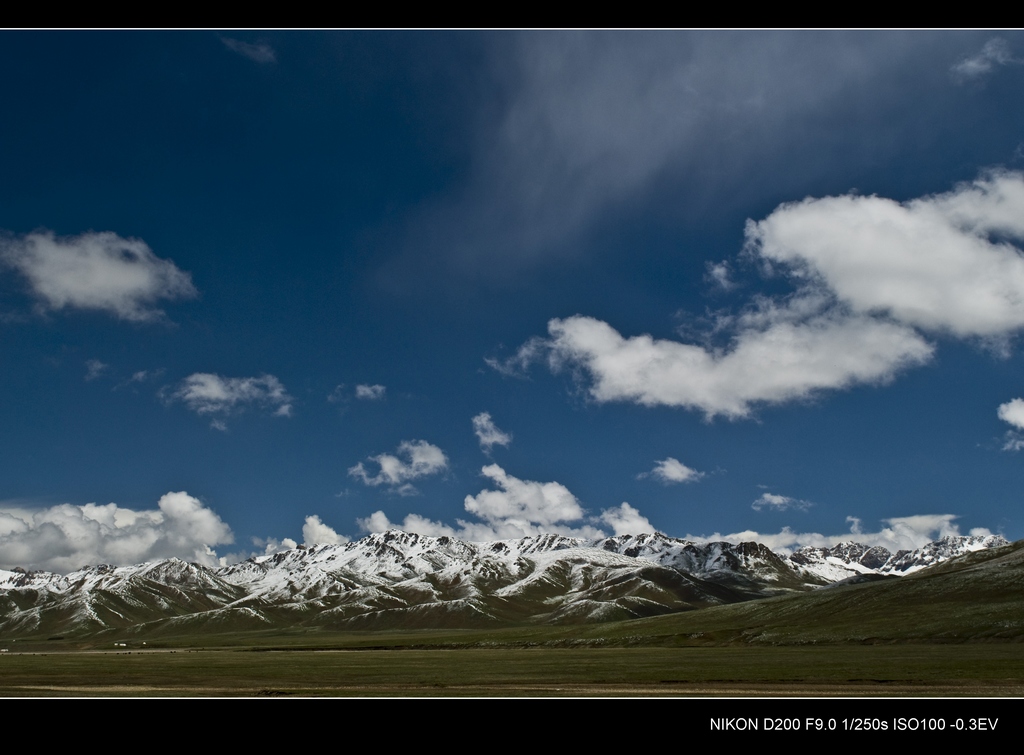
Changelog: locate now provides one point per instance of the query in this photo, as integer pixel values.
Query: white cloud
(67, 537)
(98, 271)
(1013, 412)
(901, 533)
(625, 520)
(940, 263)
(870, 273)
(774, 502)
(260, 52)
(370, 392)
(209, 394)
(671, 471)
(995, 52)
(523, 501)
(488, 433)
(421, 460)
(315, 532)
(519, 508)
(378, 522)
(780, 362)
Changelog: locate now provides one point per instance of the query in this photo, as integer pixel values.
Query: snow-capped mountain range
(398, 579)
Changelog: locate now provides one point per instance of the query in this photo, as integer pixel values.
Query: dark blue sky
(755, 285)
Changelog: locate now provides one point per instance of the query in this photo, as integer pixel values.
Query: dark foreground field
(973, 670)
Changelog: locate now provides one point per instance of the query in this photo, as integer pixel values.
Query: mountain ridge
(402, 579)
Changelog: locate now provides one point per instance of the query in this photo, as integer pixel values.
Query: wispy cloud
(94, 368)
(994, 54)
(96, 271)
(774, 502)
(517, 365)
(589, 122)
(260, 52)
(370, 392)
(488, 433)
(670, 471)
(209, 394)
(414, 459)
(719, 275)
(138, 377)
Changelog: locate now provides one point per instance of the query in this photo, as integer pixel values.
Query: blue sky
(267, 288)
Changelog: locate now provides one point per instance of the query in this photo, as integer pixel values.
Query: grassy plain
(919, 670)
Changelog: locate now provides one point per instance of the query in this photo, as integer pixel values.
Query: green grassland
(922, 670)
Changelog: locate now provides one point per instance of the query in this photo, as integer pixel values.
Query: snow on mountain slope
(939, 551)
(851, 559)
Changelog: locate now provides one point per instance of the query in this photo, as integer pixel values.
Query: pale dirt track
(533, 690)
